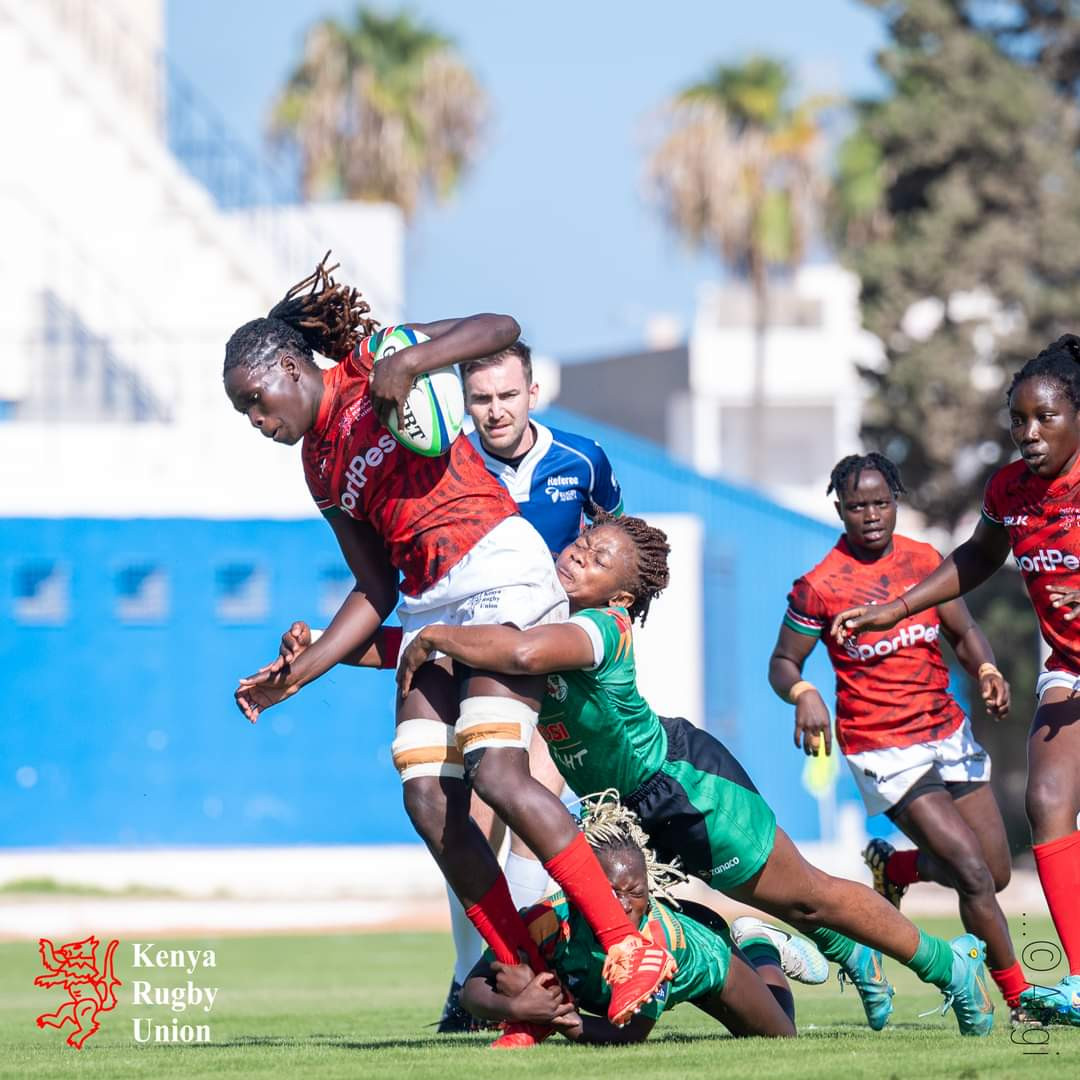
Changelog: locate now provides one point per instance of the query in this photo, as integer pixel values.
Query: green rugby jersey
(601, 732)
(575, 955)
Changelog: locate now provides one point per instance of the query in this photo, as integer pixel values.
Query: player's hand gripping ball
(435, 408)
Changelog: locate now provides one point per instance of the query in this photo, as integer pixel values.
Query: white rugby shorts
(1047, 679)
(883, 777)
(507, 577)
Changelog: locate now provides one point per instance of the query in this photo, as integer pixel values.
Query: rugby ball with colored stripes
(435, 407)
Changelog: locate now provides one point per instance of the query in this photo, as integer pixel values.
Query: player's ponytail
(316, 315)
(1059, 361)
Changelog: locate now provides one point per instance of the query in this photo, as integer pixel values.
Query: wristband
(799, 689)
(315, 634)
(907, 610)
(988, 669)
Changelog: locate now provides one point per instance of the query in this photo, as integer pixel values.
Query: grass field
(358, 1005)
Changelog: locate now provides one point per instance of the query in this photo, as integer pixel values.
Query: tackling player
(466, 556)
(556, 478)
(908, 743)
(693, 798)
(744, 989)
(1031, 507)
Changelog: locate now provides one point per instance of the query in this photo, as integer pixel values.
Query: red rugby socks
(1012, 982)
(499, 924)
(902, 867)
(582, 878)
(1058, 863)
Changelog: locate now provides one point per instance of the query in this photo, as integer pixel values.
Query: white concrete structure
(122, 280)
(812, 388)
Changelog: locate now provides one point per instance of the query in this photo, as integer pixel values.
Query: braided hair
(610, 826)
(651, 571)
(1059, 361)
(850, 468)
(328, 318)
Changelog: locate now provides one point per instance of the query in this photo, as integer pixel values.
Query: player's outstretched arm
(812, 720)
(505, 649)
(965, 569)
(356, 621)
(975, 655)
(450, 341)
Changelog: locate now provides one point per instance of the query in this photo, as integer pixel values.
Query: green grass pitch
(359, 1005)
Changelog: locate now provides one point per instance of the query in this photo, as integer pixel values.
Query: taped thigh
(493, 723)
(426, 748)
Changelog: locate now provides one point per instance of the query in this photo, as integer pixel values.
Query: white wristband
(315, 634)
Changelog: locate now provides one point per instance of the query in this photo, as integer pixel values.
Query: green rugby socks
(933, 960)
(833, 946)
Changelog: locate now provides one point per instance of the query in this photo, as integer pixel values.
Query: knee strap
(493, 723)
(426, 748)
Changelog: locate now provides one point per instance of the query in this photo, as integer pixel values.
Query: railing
(236, 176)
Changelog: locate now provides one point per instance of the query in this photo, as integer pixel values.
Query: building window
(142, 593)
(335, 583)
(41, 592)
(242, 592)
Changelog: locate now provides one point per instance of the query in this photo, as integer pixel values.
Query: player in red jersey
(1032, 507)
(908, 743)
(466, 557)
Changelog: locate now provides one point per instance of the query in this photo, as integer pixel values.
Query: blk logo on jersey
(905, 637)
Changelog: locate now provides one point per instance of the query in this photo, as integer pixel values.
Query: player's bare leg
(953, 854)
(819, 904)
(747, 1005)
(1053, 801)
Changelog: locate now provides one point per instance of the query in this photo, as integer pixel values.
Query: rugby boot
(967, 993)
(799, 959)
(520, 1036)
(876, 855)
(1054, 1004)
(863, 969)
(455, 1019)
(635, 969)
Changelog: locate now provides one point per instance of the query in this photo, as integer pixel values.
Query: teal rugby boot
(1054, 1004)
(863, 969)
(967, 993)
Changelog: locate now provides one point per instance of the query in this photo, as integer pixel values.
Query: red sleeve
(990, 508)
(806, 613)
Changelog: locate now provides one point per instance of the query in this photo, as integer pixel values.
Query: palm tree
(381, 110)
(737, 173)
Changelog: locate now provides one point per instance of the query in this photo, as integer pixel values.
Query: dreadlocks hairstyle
(1060, 362)
(849, 469)
(518, 349)
(327, 318)
(653, 550)
(610, 826)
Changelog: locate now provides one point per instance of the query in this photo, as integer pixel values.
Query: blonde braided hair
(610, 826)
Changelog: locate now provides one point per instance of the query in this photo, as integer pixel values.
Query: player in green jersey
(693, 798)
(747, 992)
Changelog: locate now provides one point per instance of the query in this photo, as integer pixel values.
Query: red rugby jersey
(1043, 521)
(429, 511)
(892, 687)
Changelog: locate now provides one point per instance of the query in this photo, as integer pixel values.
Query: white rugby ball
(435, 407)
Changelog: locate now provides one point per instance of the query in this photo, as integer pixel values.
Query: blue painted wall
(119, 727)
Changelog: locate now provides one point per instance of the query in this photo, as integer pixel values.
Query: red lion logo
(90, 992)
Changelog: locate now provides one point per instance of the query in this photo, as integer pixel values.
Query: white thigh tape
(494, 722)
(426, 748)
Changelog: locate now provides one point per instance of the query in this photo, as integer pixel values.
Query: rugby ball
(435, 407)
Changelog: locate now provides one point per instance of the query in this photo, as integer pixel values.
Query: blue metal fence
(121, 641)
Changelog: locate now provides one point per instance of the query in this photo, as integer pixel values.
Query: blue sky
(552, 225)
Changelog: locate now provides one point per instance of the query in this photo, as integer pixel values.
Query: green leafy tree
(380, 109)
(737, 172)
(957, 202)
